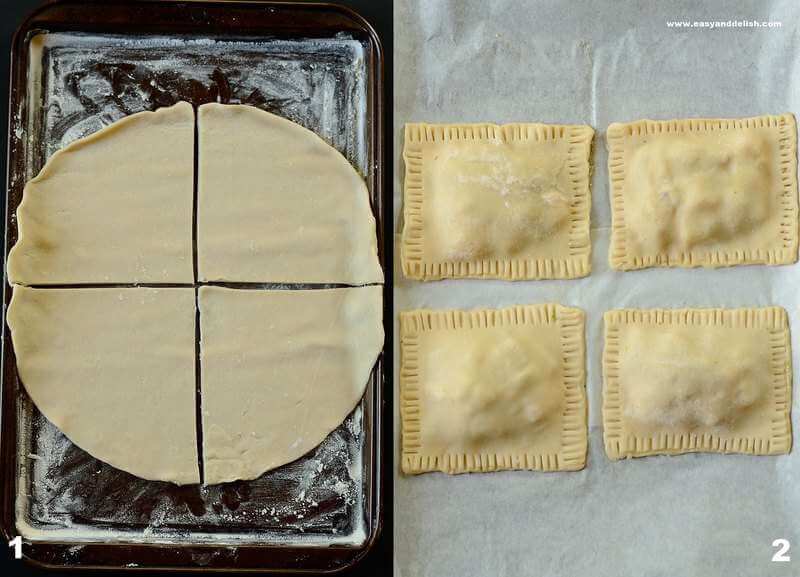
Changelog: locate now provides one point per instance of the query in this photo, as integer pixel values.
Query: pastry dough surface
(280, 370)
(703, 192)
(114, 207)
(712, 380)
(489, 201)
(486, 390)
(278, 204)
(114, 370)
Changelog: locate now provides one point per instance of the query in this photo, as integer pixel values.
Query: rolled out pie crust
(276, 203)
(113, 207)
(486, 390)
(280, 370)
(688, 380)
(114, 369)
(488, 201)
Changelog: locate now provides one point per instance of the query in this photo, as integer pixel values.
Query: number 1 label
(16, 543)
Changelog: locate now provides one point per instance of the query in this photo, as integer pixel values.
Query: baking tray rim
(375, 96)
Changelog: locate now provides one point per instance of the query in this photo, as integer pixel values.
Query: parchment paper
(597, 62)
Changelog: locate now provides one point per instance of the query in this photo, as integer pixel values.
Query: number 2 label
(782, 553)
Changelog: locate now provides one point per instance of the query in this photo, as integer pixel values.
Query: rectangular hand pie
(488, 201)
(711, 380)
(703, 192)
(485, 390)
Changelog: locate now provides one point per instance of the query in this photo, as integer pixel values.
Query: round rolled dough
(114, 368)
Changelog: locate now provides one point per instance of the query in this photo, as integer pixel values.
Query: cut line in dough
(113, 207)
(302, 212)
(280, 370)
(487, 390)
(123, 391)
(703, 192)
(488, 201)
(688, 380)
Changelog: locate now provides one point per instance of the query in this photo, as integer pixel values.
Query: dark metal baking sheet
(78, 67)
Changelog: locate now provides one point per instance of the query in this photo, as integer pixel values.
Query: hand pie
(486, 390)
(488, 201)
(703, 192)
(712, 380)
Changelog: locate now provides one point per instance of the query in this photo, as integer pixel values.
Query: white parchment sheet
(597, 62)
